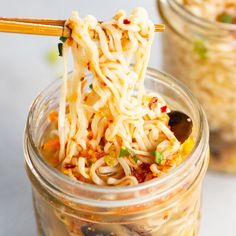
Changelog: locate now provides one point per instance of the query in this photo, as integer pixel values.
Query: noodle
(81, 167)
(112, 127)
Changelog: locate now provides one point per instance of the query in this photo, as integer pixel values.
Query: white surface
(24, 72)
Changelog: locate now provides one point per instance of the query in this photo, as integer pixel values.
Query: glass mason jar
(169, 205)
(202, 54)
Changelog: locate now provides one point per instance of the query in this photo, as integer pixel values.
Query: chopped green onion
(225, 18)
(63, 39)
(123, 152)
(52, 56)
(158, 157)
(200, 48)
(91, 86)
(128, 152)
(60, 49)
(135, 158)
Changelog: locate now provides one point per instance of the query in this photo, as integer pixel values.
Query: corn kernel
(109, 160)
(187, 146)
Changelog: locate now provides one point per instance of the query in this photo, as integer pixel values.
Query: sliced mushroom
(180, 124)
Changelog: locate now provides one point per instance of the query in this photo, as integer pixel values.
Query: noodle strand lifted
(111, 131)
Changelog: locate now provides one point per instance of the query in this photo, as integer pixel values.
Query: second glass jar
(202, 54)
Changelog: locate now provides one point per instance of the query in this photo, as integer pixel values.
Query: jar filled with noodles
(199, 48)
(168, 205)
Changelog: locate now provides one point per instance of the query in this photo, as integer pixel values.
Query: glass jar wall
(202, 54)
(167, 206)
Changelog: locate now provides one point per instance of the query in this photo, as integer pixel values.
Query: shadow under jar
(167, 206)
(202, 54)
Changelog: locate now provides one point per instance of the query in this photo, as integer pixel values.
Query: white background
(24, 71)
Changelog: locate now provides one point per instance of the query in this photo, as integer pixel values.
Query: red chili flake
(165, 217)
(69, 41)
(152, 102)
(102, 142)
(99, 154)
(149, 176)
(69, 166)
(234, 20)
(126, 21)
(80, 177)
(139, 177)
(142, 172)
(90, 136)
(88, 65)
(163, 109)
(85, 98)
(168, 163)
(73, 139)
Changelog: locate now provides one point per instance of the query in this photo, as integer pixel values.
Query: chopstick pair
(47, 27)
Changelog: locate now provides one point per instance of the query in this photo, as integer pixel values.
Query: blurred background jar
(200, 50)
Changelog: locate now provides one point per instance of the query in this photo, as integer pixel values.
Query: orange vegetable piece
(52, 144)
(53, 116)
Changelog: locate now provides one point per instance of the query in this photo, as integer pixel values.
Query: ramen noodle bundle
(110, 130)
(201, 38)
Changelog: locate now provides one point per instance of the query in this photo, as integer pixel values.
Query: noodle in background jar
(200, 50)
(166, 206)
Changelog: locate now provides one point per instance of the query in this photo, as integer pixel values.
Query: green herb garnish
(123, 152)
(60, 49)
(135, 158)
(52, 56)
(91, 86)
(225, 18)
(158, 157)
(63, 39)
(200, 49)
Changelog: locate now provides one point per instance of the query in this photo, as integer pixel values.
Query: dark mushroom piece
(89, 231)
(180, 124)
(109, 230)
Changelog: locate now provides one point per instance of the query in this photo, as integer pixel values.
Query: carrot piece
(52, 144)
(53, 116)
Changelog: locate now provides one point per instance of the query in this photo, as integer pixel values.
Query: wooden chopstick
(43, 21)
(37, 27)
(49, 27)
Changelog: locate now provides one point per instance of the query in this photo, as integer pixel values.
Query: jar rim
(200, 21)
(200, 146)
